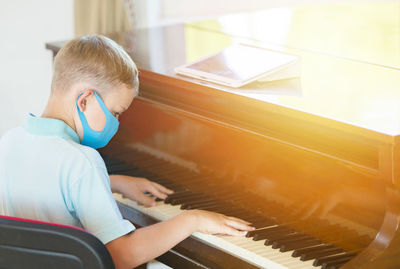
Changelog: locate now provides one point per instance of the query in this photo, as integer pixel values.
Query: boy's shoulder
(11, 135)
(70, 150)
(10, 132)
(87, 153)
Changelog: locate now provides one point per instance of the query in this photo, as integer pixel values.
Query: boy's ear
(82, 99)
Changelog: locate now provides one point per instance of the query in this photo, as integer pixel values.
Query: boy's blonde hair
(96, 60)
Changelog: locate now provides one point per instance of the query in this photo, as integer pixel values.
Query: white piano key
(254, 252)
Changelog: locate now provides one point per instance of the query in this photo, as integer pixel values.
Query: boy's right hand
(215, 223)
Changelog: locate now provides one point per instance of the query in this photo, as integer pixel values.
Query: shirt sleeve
(95, 206)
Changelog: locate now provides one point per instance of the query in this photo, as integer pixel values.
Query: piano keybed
(276, 242)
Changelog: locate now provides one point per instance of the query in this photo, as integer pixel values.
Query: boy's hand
(215, 223)
(135, 188)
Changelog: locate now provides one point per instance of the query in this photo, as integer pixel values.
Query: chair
(41, 245)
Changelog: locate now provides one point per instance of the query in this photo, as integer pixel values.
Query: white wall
(25, 64)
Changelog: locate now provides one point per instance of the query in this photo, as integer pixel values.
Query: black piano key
(181, 200)
(335, 266)
(252, 233)
(219, 207)
(197, 198)
(336, 263)
(186, 195)
(299, 252)
(211, 188)
(195, 205)
(183, 193)
(320, 254)
(270, 238)
(289, 239)
(199, 201)
(293, 236)
(300, 244)
(336, 257)
(271, 229)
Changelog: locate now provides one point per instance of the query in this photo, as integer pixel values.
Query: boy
(49, 170)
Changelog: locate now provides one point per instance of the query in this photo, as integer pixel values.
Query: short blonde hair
(96, 60)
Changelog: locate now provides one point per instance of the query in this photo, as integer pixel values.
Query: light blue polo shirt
(47, 175)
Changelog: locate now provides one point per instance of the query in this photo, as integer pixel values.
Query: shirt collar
(50, 127)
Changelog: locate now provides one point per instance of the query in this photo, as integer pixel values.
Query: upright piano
(313, 162)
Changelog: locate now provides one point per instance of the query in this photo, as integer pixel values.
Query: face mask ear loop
(81, 115)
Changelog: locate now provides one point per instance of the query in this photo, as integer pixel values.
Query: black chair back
(34, 245)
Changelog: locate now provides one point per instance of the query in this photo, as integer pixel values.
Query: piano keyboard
(254, 252)
(271, 245)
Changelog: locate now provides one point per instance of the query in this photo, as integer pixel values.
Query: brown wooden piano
(313, 161)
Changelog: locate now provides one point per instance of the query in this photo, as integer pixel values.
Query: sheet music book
(240, 64)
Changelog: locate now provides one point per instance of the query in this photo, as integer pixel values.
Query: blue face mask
(93, 138)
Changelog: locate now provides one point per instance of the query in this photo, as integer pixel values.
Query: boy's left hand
(135, 188)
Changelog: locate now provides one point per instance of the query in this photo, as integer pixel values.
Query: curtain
(102, 16)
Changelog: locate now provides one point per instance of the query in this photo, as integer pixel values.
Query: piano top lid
(350, 58)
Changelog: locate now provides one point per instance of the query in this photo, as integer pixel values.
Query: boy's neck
(56, 109)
